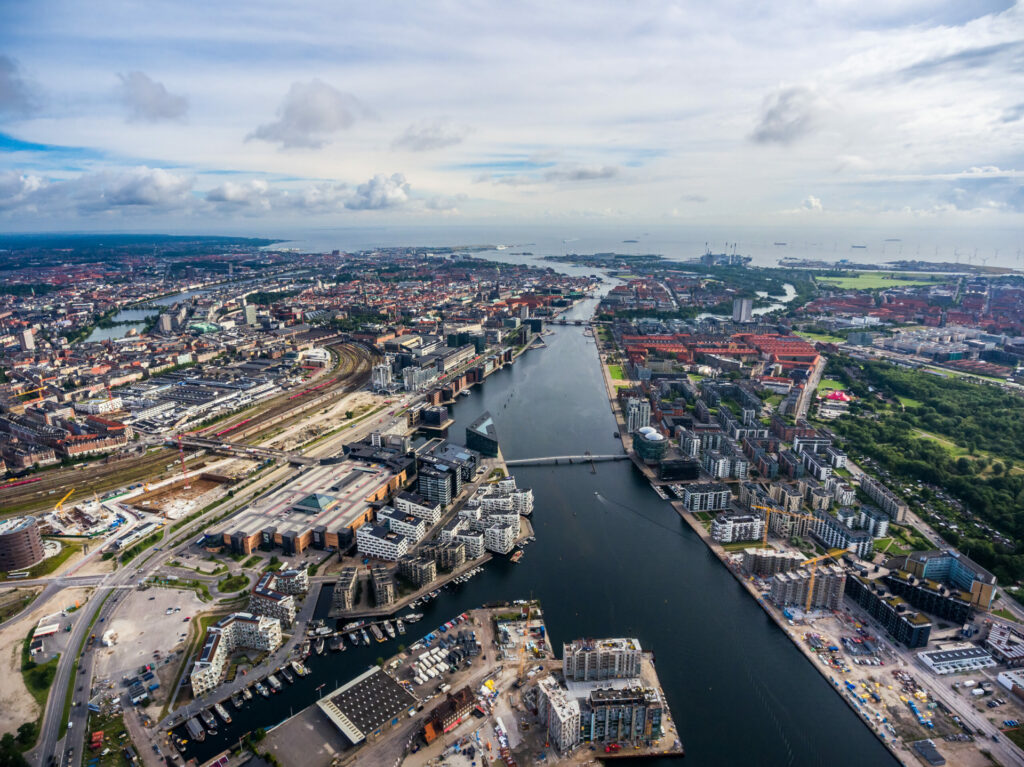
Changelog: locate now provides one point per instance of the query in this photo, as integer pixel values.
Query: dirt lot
(170, 497)
(16, 704)
(143, 627)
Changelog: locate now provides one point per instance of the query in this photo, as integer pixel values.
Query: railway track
(352, 371)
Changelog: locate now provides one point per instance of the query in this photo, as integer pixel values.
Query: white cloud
(148, 100)
(812, 204)
(432, 134)
(17, 189)
(379, 193)
(248, 194)
(310, 114)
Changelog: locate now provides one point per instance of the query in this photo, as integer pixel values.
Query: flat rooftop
(366, 703)
(333, 495)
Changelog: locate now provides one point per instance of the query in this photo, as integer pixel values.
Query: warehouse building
(367, 706)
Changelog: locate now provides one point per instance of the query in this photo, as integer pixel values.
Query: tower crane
(59, 508)
(769, 510)
(814, 571)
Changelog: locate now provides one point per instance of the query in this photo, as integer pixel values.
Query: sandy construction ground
(143, 627)
(17, 706)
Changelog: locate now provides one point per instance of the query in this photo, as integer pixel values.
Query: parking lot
(148, 622)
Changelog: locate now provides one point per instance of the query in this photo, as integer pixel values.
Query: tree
(380, 661)
(27, 733)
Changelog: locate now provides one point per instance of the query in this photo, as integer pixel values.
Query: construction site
(465, 693)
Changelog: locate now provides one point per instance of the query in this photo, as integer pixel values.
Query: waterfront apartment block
(903, 624)
(728, 528)
(766, 562)
(344, 594)
(419, 570)
(239, 630)
(708, 496)
(588, 660)
(379, 542)
(950, 567)
(622, 715)
(482, 436)
(886, 499)
(791, 588)
(383, 586)
(638, 414)
(447, 555)
(264, 599)
(559, 713)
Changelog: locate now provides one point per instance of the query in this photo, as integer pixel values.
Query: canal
(612, 559)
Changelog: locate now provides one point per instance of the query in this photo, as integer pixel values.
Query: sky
(178, 116)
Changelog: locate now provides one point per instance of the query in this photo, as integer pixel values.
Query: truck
(154, 686)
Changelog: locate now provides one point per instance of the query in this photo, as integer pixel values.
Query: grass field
(873, 281)
(615, 371)
(909, 401)
(825, 338)
(831, 384)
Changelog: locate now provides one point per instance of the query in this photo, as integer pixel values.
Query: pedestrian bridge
(557, 459)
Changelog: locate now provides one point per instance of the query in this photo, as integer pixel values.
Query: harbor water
(612, 559)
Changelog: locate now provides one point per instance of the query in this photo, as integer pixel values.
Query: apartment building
(706, 496)
(233, 632)
(344, 594)
(383, 585)
(559, 713)
(408, 525)
(791, 588)
(886, 499)
(728, 528)
(766, 562)
(419, 570)
(911, 628)
(588, 660)
(379, 542)
(264, 599)
(622, 715)
(418, 506)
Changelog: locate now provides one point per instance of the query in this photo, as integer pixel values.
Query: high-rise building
(382, 378)
(166, 323)
(27, 340)
(638, 414)
(742, 309)
(20, 543)
(559, 713)
(250, 314)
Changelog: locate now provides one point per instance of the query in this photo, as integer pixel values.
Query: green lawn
(831, 384)
(825, 338)
(232, 584)
(1005, 614)
(873, 281)
(615, 371)
(741, 545)
(909, 401)
(47, 566)
(254, 559)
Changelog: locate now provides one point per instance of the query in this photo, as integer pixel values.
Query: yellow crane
(59, 508)
(32, 391)
(768, 511)
(814, 571)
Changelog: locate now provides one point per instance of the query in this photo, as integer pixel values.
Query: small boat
(377, 634)
(319, 646)
(262, 690)
(287, 675)
(413, 617)
(195, 730)
(222, 713)
(517, 556)
(389, 629)
(366, 637)
(298, 668)
(236, 699)
(336, 643)
(353, 638)
(304, 650)
(400, 626)
(353, 625)
(274, 682)
(246, 693)
(208, 720)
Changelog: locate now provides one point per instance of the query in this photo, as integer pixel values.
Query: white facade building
(233, 632)
(727, 528)
(560, 714)
(380, 542)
